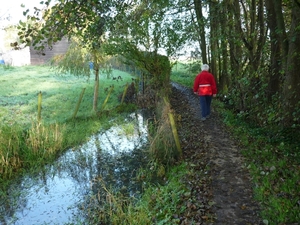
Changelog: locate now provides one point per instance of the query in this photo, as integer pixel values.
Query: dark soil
(220, 185)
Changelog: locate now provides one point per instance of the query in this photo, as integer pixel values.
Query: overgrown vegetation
(257, 71)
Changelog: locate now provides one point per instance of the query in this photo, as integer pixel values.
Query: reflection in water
(57, 195)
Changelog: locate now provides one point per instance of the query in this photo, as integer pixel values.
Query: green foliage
(85, 20)
(160, 203)
(75, 61)
(154, 68)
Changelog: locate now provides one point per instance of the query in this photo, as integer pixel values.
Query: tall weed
(11, 144)
(162, 142)
(44, 140)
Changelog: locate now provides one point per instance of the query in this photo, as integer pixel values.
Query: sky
(13, 9)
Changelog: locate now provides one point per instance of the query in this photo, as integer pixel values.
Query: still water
(61, 193)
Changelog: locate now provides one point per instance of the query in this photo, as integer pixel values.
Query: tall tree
(201, 22)
(292, 79)
(148, 30)
(136, 29)
(224, 76)
(276, 64)
(85, 20)
(214, 37)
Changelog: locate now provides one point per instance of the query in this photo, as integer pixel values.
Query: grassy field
(19, 88)
(25, 142)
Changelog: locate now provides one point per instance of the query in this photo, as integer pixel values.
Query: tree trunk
(292, 80)
(96, 89)
(275, 55)
(223, 72)
(281, 31)
(214, 37)
(201, 29)
(261, 40)
(234, 44)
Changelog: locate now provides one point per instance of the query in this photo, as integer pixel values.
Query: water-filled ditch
(61, 193)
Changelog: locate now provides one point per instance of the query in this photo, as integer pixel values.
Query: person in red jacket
(205, 87)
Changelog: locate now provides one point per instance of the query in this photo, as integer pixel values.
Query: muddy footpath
(220, 185)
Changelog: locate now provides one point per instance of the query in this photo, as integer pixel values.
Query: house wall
(58, 48)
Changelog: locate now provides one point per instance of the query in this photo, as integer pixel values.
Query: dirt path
(220, 183)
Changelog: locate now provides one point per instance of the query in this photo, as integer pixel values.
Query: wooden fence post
(78, 103)
(39, 106)
(124, 93)
(107, 97)
(175, 134)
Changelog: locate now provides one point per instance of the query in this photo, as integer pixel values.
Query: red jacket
(205, 84)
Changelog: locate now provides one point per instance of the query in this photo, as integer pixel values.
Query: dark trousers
(205, 102)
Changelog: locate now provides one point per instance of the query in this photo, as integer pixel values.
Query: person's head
(205, 67)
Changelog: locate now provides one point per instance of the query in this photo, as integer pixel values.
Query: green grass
(19, 88)
(26, 145)
(25, 142)
(181, 73)
(162, 202)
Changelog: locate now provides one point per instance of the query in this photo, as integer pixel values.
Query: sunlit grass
(10, 150)
(162, 142)
(45, 141)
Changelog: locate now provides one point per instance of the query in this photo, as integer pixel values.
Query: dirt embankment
(221, 188)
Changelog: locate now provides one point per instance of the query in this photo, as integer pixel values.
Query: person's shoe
(203, 119)
(207, 117)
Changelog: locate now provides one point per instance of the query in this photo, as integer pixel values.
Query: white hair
(205, 67)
